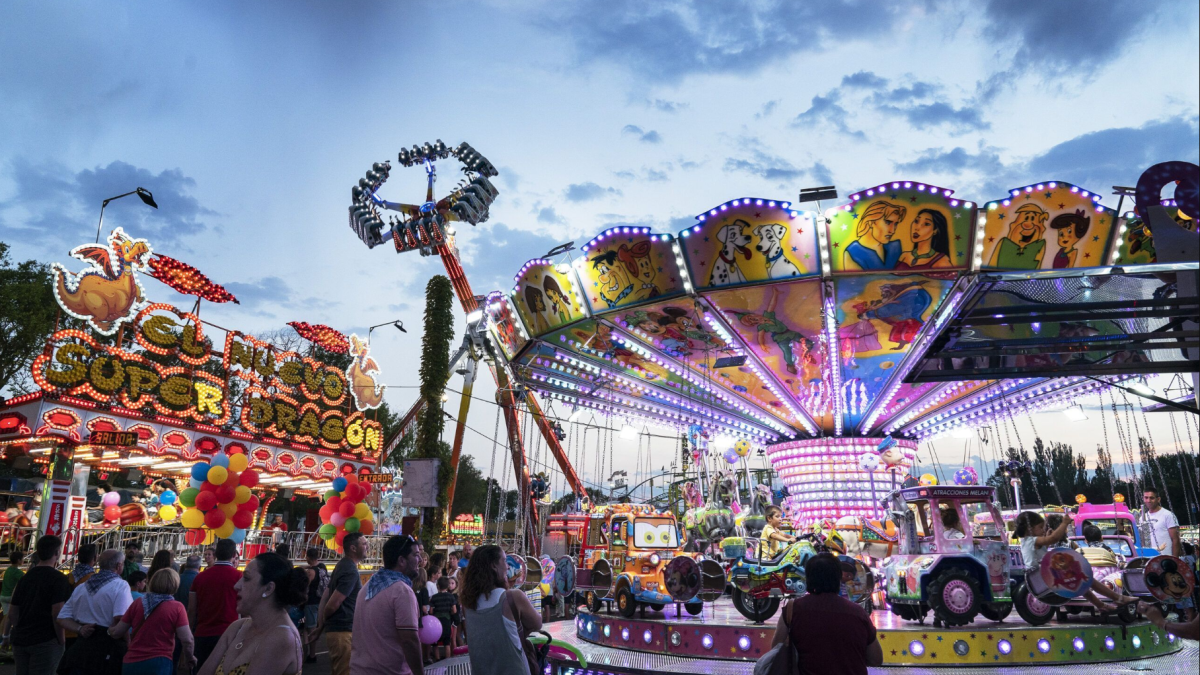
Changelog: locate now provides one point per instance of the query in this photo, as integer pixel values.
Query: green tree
(435, 370)
(470, 494)
(27, 312)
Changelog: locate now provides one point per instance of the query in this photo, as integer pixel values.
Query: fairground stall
(835, 340)
(146, 398)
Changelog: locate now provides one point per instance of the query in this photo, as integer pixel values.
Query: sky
(250, 122)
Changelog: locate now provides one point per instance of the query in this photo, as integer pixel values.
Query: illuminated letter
(261, 411)
(239, 355)
(309, 424)
(157, 329)
(176, 391)
(289, 373)
(333, 429)
(285, 417)
(141, 381)
(69, 355)
(190, 346)
(208, 398)
(106, 383)
(354, 433)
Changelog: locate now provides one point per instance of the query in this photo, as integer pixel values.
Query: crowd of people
(110, 614)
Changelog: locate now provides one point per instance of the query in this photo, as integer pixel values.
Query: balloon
(339, 484)
(334, 503)
(347, 509)
(192, 519)
(112, 513)
(868, 461)
(205, 501)
(188, 497)
(200, 471)
(366, 488)
(366, 527)
(214, 519)
(217, 475)
(430, 631)
(966, 476)
(238, 535)
(326, 531)
(352, 478)
(329, 494)
(225, 529)
(167, 512)
(249, 478)
(229, 508)
(238, 462)
(220, 459)
(242, 519)
(927, 479)
(225, 494)
(731, 456)
(351, 525)
(111, 499)
(193, 483)
(207, 487)
(337, 520)
(325, 512)
(341, 534)
(232, 480)
(362, 511)
(350, 494)
(209, 536)
(194, 537)
(331, 545)
(241, 494)
(742, 448)
(168, 497)
(251, 504)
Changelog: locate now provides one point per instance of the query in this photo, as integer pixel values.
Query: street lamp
(397, 323)
(142, 194)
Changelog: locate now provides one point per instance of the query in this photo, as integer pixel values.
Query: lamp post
(397, 323)
(142, 194)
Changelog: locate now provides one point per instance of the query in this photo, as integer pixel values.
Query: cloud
(663, 105)
(925, 115)
(954, 161)
(547, 214)
(669, 41)
(650, 136)
(495, 253)
(253, 294)
(864, 79)
(775, 168)
(586, 192)
(826, 109)
(56, 206)
(767, 108)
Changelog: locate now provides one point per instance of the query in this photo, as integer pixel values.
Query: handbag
(535, 657)
(782, 659)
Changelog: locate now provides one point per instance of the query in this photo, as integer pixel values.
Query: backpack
(321, 579)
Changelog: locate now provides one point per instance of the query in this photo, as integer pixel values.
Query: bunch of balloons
(166, 510)
(111, 501)
(344, 511)
(218, 503)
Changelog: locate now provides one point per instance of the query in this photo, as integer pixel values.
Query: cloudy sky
(251, 121)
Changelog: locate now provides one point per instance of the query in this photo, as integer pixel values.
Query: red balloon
(249, 478)
(351, 494)
(232, 480)
(243, 519)
(366, 489)
(347, 509)
(366, 527)
(225, 494)
(113, 513)
(335, 503)
(214, 519)
(337, 538)
(326, 513)
(250, 505)
(207, 487)
(351, 478)
(194, 537)
(206, 501)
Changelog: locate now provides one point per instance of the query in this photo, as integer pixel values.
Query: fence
(154, 539)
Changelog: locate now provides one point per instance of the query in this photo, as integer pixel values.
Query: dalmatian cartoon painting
(735, 240)
(770, 244)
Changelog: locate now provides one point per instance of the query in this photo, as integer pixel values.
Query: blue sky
(251, 121)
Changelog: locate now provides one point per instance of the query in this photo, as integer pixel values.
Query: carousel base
(719, 640)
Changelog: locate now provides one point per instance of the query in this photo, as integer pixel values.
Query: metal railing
(154, 539)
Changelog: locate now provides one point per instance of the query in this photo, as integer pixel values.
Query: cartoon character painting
(1064, 570)
(901, 306)
(637, 262)
(1070, 227)
(930, 234)
(770, 244)
(735, 240)
(874, 248)
(560, 303)
(364, 388)
(1023, 247)
(615, 283)
(536, 304)
(768, 325)
(108, 292)
(858, 337)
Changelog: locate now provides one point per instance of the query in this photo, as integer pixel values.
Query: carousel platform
(720, 640)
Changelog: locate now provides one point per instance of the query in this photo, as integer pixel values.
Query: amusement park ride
(835, 342)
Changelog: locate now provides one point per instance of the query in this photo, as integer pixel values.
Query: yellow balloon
(362, 511)
(229, 509)
(225, 529)
(167, 513)
(238, 462)
(209, 537)
(241, 494)
(192, 518)
(545, 588)
(331, 544)
(217, 475)
(927, 479)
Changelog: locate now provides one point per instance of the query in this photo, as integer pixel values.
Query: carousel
(835, 340)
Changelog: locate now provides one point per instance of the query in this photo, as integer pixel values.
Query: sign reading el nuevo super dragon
(280, 394)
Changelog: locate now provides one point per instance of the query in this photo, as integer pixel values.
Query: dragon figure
(713, 520)
(108, 292)
(366, 391)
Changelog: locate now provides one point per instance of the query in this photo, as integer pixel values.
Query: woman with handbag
(499, 620)
(157, 619)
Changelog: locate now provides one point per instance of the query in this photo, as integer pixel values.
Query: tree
(27, 312)
(470, 495)
(435, 370)
(1101, 487)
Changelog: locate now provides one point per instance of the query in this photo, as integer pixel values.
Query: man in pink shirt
(386, 615)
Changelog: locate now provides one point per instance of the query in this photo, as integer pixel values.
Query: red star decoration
(1062, 206)
(672, 279)
(989, 637)
(1087, 255)
(924, 636)
(757, 214)
(835, 244)
(799, 230)
(957, 237)
(913, 199)
(991, 239)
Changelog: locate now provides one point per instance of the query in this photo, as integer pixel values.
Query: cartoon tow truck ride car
(632, 555)
(956, 574)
